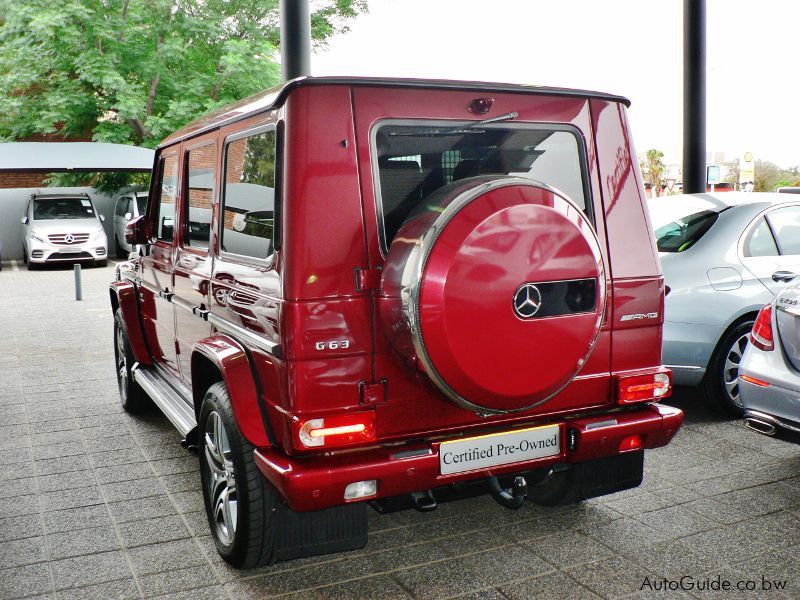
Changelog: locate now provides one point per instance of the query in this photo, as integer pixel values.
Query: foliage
(653, 169)
(770, 176)
(133, 72)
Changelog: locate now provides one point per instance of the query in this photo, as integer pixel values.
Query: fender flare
(123, 297)
(234, 368)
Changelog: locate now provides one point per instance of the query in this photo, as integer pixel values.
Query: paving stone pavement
(97, 504)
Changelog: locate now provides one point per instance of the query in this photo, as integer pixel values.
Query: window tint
(681, 234)
(141, 203)
(416, 159)
(759, 241)
(121, 204)
(166, 202)
(786, 225)
(200, 192)
(249, 196)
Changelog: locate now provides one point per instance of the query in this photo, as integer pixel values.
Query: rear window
(62, 208)
(684, 232)
(414, 159)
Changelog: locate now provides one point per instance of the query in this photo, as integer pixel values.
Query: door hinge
(368, 279)
(373, 393)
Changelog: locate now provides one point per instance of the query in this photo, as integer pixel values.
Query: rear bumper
(318, 482)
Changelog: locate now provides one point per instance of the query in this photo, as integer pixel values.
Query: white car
(129, 205)
(63, 228)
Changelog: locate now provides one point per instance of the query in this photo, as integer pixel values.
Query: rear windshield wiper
(472, 127)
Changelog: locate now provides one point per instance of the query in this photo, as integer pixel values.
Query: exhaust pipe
(760, 426)
(511, 498)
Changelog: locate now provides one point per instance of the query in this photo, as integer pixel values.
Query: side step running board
(171, 403)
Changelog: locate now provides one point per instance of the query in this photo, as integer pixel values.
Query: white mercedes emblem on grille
(69, 238)
(527, 300)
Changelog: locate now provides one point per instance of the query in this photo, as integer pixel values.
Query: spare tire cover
(496, 287)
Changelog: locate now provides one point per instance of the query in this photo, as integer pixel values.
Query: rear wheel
(721, 382)
(133, 397)
(240, 503)
(118, 249)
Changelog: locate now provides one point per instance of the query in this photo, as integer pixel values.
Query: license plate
(73, 250)
(499, 449)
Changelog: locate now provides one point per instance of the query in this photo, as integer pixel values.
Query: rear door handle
(784, 276)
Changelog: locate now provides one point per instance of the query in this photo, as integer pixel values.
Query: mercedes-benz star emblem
(527, 300)
(69, 238)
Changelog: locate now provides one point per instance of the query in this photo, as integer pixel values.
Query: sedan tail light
(761, 336)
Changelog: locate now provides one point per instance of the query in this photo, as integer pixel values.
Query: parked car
(724, 256)
(129, 205)
(769, 374)
(59, 228)
(363, 289)
(788, 190)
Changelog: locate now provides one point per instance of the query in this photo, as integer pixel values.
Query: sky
(627, 47)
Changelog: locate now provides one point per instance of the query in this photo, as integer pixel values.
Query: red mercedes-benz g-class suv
(354, 290)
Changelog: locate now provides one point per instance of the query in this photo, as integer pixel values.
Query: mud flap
(336, 529)
(611, 474)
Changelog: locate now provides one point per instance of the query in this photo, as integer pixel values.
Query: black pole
(295, 38)
(694, 96)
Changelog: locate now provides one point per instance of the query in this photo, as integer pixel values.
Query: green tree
(652, 166)
(770, 176)
(133, 72)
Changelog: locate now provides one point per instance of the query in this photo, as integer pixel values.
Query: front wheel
(240, 503)
(721, 382)
(133, 397)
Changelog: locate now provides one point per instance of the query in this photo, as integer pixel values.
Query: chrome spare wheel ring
(730, 373)
(122, 364)
(221, 481)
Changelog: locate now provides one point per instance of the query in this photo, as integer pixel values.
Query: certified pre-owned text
(499, 449)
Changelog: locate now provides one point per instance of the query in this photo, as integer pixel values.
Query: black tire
(119, 251)
(720, 385)
(24, 255)
(251, 541)
(133, 397)
(32, 266)
(101, 263)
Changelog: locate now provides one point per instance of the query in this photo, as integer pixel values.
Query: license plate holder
(496, 449)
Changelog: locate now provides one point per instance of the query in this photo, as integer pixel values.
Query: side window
(167, 190)
(248, 211)
(759, 241)
(785, 223)
(200, 194)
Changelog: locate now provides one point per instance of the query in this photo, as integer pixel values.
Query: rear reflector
(632, 442)
(361, 489)
(753, 380)
(761, 336)
(641, 388)
(337, 430)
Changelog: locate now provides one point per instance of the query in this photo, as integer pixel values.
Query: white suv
(129, 205)
(63, 228)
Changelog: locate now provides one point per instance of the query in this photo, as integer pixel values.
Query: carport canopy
(87, 157)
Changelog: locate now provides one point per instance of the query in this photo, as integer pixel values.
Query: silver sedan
(724, 256)
(769, 374)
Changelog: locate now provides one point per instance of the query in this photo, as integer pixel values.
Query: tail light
(761, 336)
(643, 388)
(631, 442)
(335, 431)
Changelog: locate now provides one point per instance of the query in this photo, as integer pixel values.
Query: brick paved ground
(96, 504)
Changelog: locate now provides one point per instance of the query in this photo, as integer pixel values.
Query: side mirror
(24, 220)
(102, 218)
(136, 231)
(128, 216)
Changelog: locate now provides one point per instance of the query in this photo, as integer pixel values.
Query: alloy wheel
(122, 363)
(730, 373)
(221, 486)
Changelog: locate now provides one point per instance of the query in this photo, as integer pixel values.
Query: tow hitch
(511, 498)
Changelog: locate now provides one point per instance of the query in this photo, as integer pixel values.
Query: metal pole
(295, 38)
(694, 96)
(78, 290)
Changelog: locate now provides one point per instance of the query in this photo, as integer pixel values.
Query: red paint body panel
(314, 483)
(232, 362)
(124, 294)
